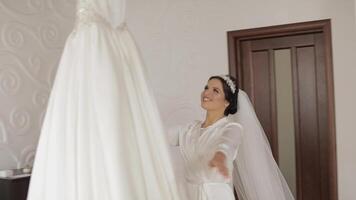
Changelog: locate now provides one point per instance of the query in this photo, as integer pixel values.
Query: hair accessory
(229, 82)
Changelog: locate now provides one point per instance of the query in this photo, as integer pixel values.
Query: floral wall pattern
(32, 35)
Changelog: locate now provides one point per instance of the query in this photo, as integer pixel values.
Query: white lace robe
(198, 146)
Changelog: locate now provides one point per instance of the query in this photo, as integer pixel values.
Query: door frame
(235, 69)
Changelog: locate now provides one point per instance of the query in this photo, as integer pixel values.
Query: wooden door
(252, 61)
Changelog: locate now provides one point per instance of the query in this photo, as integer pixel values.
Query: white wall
(344, 52)
(184, 42)
(32, 35)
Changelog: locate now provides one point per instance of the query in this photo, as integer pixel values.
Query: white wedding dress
(102, 137)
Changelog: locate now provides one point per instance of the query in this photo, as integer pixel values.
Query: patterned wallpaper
(32, 34)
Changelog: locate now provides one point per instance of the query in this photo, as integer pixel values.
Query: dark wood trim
(280, 30)
(273, 101)
(296, 121)
(235, 39)
(331, 104)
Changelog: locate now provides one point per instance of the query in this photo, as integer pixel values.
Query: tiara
(229, 82)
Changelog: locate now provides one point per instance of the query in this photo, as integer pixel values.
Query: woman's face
(213, 97)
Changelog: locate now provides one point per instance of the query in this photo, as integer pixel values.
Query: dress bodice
(83, 4)
(109, 12)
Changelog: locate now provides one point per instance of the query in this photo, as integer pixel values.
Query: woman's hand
(218, 161)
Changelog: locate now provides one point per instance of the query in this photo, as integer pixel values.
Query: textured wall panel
(32, 35)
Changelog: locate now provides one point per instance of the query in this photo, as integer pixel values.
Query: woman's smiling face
(213, 96)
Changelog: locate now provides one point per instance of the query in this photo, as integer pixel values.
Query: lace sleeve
(174, 133)
(230, 140)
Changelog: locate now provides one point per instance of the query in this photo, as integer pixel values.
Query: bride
(102, 137)
(228, 149)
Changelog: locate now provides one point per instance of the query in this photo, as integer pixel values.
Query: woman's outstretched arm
(227, 147)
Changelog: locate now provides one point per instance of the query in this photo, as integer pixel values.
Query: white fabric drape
(102, 137)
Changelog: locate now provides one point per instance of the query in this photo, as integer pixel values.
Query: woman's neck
(211, 118)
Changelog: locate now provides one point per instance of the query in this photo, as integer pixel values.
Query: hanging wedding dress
(102, 137)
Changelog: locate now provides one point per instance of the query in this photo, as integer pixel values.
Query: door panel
(262, 87)
(252, 61)
(308, 122)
